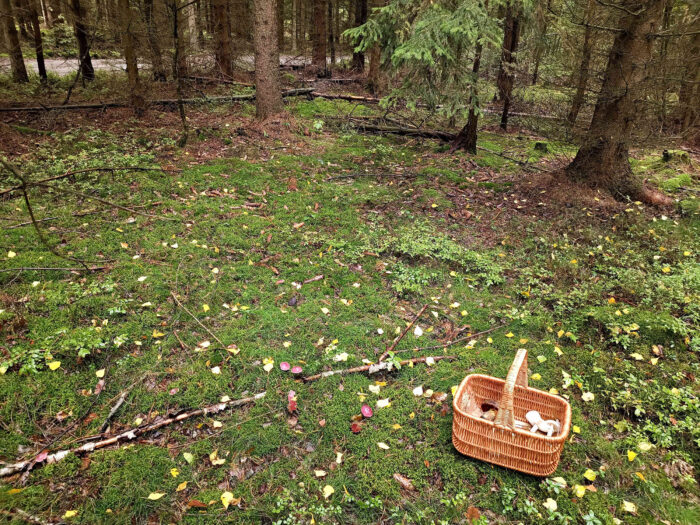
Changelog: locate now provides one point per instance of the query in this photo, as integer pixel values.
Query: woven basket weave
(499, 441)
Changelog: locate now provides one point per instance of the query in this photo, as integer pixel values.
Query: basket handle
(517, 375)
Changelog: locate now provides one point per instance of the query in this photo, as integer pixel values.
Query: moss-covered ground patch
(604, 299)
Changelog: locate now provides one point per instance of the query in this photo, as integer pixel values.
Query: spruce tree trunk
(331, 37)
(222, 37)
(153, 43)
(268, 96)
(688, 110)
(81, 35)
(280, 25)
(38, 43)
(466, 138)
(299, 28)
(583, 72)
(318, 51)
(603, 159)
(511, 35)
(19, 71)
(358, 58)
(506, 77)
(128, 44)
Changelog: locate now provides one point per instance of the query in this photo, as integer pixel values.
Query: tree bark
(178, 64)
(331, 38)
(318, 51)
(584, 69)
(38, 43)
(299, 26)
(132, 72)
(81, 35)
(222, 37)
(511, 35)
(46, 13)
(19, 71)
(689, 95)
(280, 25)
(603, 159)
(153, 43)
(506, 77)
(268, 98)
(466, 138)
(358, 58)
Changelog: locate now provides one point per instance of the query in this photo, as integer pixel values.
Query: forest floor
(303, 241)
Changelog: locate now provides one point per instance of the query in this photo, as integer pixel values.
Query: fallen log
(127, 435)
(408, 132)
(373, 369)
(162, 102)
(351, 98)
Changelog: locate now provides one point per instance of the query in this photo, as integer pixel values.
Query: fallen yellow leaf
(156, 495)
(54, 365)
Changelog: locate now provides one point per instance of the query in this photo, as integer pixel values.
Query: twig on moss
(128, 435)
(398, 339)
(373, 369)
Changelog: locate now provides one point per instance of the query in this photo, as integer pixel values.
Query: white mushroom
(549, 426)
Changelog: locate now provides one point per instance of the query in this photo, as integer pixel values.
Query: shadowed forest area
(251, 249)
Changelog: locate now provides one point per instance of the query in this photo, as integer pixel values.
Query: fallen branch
(460, 339)
(58, 269)
(87, 170)
(380, 175)
(398, 339)
(129, 435)
(23, 515)
(373, 369)
(351, 98)
(172, 294)
(162, 102)
(408, 132)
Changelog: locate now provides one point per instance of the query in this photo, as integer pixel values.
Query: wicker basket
(499, 441)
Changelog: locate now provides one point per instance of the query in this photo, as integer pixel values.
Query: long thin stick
(38, 269)
(372, 369)
(130, 435)
(86, 170)
(172, 294)
(460, 339)
(398, 339)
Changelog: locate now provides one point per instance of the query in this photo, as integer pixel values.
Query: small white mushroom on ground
(549, 426)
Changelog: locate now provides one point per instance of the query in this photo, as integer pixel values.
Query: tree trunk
(192, 33)
(280, 25)
(132, 72)
(466, 138)
(511, 34)
(688, 110)
(584, 69)
(268, 96)
(81, 35)
(358, 59)
(153, 43)
(318, 52)
(38, 43)
(299, 27)
(178, 63)
(222, 37)
(331, 37)
(46, 13)
(19, 71)
(603, 159)
(506, 76)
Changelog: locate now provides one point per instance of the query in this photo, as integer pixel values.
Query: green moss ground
(591, 293)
